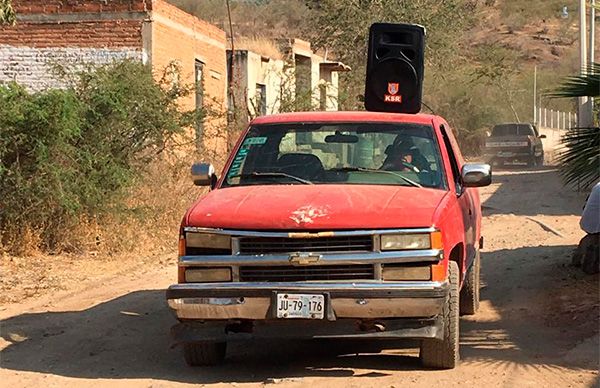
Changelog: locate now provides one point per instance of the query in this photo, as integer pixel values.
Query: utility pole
(583, 107)
(535, 118)
(592, 48)
(592, 30)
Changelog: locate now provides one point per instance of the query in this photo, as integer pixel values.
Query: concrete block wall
(315, 80)
(329, 85)
(305, 70)
(37, 67)
(252, 69)
(272, 73)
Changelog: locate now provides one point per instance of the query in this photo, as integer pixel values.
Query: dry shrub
(147, 224)
(25, 244)
(151, 215)
(259, 45)
(87, 167)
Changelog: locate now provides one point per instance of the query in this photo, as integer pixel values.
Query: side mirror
(476, 175)
(542, 136)
(203, 174)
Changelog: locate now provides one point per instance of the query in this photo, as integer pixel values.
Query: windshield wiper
(364, 169)
(256, 174)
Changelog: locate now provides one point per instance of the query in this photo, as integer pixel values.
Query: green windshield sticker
(255, 140)
(239, 159)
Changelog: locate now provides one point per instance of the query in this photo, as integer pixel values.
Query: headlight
(398, 242)
(207, 240)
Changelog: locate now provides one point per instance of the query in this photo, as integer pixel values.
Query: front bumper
(409, 328)
(254, 301)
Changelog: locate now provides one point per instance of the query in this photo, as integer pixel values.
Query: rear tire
(469, 295)
(444, 353)
(540, 161)
(204, 353)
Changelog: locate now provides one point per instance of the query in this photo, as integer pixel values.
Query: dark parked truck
(515, 143)
(332, 224)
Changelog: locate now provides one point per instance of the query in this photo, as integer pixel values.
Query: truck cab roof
(342, 116)
(514, 129)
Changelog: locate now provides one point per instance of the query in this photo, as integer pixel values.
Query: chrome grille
(274, 245)
(299, 274)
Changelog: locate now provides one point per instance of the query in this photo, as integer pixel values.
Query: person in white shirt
(587, 254)
(590, 219)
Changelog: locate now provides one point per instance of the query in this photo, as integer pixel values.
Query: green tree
(342, 26)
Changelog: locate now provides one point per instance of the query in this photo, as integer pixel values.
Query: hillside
(538, 33)
(534, 29)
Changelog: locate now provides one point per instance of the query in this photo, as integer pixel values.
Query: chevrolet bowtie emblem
(304, 258)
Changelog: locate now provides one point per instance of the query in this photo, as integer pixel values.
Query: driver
(403, 155)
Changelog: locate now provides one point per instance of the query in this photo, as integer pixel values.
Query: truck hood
(316, 207)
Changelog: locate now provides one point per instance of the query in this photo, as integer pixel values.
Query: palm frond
(580, 158)
(585, 84)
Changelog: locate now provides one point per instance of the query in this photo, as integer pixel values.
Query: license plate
(300, 306)
(506, 154)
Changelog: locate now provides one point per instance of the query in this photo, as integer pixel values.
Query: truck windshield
(512, 130)
(353, 153)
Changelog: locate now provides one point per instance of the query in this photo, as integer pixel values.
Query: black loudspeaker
(395, 68)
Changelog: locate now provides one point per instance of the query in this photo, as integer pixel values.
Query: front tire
(444, 353)
(469, 295)
(204, 353)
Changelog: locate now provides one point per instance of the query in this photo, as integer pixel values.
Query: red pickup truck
(332, 224)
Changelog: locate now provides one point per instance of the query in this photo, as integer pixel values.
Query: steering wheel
(411, 167)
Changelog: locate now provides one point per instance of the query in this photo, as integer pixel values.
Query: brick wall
(182, 38)
(109, 33)
(69, 33)
(69, 6)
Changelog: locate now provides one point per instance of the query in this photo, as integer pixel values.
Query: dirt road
(538, 325)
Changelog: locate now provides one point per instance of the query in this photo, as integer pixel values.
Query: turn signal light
(181, 246)
(438, 272)
(180, 274)
(406, 273)
(436, 240)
